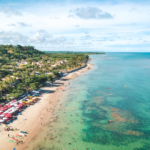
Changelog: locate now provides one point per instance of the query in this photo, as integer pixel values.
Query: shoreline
(40, 113)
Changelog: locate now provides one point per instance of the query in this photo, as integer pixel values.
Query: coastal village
(23, 68)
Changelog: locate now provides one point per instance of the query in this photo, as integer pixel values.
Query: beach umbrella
(4, 125)
(20, 101)
(20, 105)
(4, 113)
(9, 106)
(2, 109)
(9, 116)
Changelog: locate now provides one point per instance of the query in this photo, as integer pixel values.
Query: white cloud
(10, 12)
(90, 13)
(11, 24)
(22, 24)
(19, 24)
(9, 37)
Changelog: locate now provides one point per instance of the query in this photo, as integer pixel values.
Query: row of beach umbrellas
(7, 111)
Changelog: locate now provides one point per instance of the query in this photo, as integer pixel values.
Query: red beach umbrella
(9, 116)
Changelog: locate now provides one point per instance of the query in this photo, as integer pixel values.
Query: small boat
(12, 141)
(23, 132)
(83, 100)
(18, 135)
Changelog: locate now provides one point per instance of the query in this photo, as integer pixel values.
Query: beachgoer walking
(8, 135)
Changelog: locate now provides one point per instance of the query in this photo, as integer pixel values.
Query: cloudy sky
(77, 25)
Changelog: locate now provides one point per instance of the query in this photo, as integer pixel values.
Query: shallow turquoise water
(126, 103)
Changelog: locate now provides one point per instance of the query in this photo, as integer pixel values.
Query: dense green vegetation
(23, 68)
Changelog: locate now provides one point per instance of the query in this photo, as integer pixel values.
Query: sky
(77, 25)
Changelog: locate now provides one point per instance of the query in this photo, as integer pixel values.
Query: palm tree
(1, 88)
(5, 85)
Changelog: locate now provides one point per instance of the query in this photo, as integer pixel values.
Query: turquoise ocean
(116, 89)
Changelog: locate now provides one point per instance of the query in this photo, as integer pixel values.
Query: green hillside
(24, 68)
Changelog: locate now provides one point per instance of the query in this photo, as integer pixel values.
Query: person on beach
(8, 135)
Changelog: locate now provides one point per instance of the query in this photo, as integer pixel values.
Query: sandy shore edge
(35, 116)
